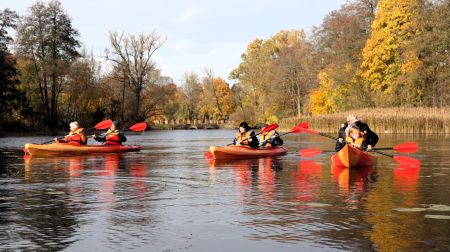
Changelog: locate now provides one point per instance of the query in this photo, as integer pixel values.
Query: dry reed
(382, 120)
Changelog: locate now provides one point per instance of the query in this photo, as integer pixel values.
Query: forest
(367, 54)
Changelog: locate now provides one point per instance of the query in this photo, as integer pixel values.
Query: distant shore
(382, 120)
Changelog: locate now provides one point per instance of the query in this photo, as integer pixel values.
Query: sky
(200, 34)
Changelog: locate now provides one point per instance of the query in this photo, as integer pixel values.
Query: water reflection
(355, 180)
(306, 181)
(48, 215)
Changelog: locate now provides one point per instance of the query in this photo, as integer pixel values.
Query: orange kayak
(242, 152)
(63, 148)
(352, 157)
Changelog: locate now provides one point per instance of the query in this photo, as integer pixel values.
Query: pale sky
(201, 34)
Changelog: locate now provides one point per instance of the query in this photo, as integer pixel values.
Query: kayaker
(76, 135)
(355, 137)
(370, 137)
(269, 139)
(112, 137)
(246, 136)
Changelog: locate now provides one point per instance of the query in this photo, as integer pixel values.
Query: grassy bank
(382, 120)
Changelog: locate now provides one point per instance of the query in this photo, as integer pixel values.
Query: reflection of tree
(389, 229)
(44, 217)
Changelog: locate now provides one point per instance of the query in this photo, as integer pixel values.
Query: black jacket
(370, 137)
(254, 140)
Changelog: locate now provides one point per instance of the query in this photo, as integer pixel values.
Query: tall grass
(382, 120)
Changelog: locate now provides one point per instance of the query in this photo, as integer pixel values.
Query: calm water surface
(169, 198)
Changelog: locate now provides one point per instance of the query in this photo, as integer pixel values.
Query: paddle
(407, 147)
(100, 126)
(409, 161)
(296, 129)
(135, 127)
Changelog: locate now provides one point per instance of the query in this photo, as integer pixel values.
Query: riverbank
(382, 120)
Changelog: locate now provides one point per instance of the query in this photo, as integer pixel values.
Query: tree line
(48, 79)
(368, 53)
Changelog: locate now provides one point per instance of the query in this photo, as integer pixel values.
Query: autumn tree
(253, 75)
(216, 99)
(133, 58)
(47, 44)
(84, 98)
(293, 73)
(432, 78)
(338, 43)
(191, 88)
(387, 53)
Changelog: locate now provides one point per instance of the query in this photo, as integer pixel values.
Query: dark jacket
(254, 140)
(102, 138)
(370, 137)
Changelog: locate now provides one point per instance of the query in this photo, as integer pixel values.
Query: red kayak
(64, 148)
(353, 158)
(242, 152)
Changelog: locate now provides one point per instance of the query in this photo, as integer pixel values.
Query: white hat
(74, 125)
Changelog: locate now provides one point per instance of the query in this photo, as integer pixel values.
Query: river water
(168, 197)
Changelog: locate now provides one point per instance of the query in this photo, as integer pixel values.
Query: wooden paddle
(100, 126)
(409, 161)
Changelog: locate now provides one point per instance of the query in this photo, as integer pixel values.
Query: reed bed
(382, 120)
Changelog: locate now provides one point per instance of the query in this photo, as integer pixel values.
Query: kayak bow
(353, 158)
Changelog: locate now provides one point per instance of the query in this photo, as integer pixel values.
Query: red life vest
(112, 138)
(76, 137)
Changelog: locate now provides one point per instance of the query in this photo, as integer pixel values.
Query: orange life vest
(264, 139)
(76, 137)
(112, 138)
(240, 137)
(358, 142)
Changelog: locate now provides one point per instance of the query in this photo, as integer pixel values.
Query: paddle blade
(310, 152)
(269, 128)
(103, 125)
(310, 131)
(208, 155)
(407, 161)
(139, 127)
(409, 147)
(299, 127)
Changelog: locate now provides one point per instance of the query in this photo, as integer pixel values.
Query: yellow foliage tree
(322, 98)
(386, 55)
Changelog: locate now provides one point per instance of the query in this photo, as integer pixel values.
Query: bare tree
(133, 55)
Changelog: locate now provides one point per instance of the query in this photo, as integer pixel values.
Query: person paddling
(370, 137)
(355, 137)
(76, 135)
(112, 137)
(269, 139)
(246, 136)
